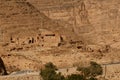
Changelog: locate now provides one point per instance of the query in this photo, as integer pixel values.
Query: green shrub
(91, 71)
(92, 78)
(49, 73)
(50, 66)
(75, 77)
(95, 69)
(88, 73)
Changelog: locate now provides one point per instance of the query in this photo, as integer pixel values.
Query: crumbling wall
(24, 77)
(111, 71)
(43, 39)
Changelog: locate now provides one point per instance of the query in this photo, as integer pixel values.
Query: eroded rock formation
(2, 68)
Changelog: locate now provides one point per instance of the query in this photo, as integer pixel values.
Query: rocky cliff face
(95, 21)
(104, 14)
(104, 17)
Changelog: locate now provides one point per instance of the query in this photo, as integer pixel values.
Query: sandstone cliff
(102, 16)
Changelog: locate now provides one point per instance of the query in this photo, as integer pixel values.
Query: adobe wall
(23, 77)
(112, 71)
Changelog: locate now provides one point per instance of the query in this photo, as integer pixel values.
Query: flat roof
(56, 4)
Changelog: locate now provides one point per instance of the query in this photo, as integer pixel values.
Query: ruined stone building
(42, 39)
(23, 26)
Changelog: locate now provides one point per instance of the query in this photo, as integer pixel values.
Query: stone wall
(112, 71)
(43, 39)
(24, 77)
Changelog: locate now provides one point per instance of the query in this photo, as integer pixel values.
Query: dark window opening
(61, 38)
(30, 41)
(42, 37)
(11, 39)
(50, 35)
(39, 34)
(79, 47)
(38, 38)
(42, 45)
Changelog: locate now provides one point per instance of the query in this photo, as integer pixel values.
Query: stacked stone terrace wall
(112, 71)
